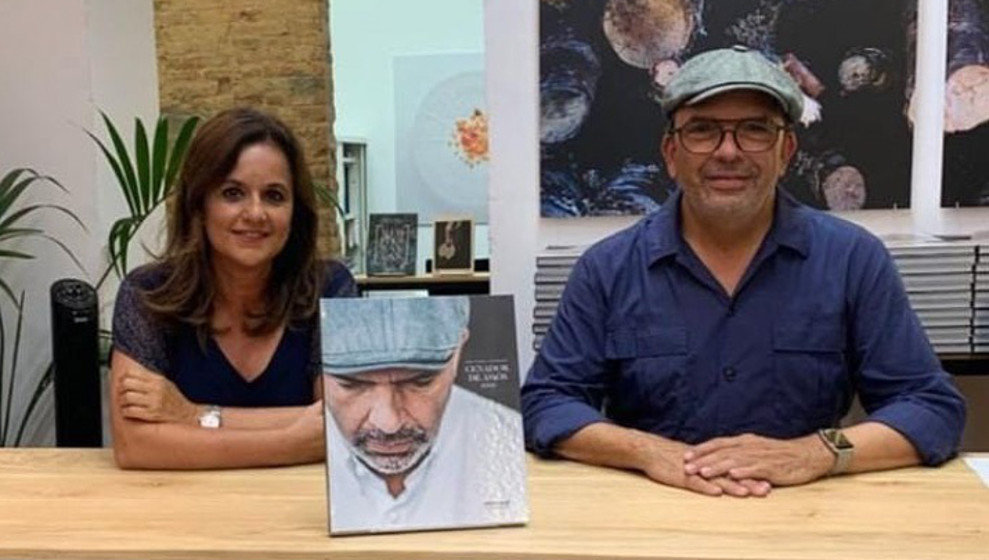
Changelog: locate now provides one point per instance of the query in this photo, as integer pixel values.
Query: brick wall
(269, 54)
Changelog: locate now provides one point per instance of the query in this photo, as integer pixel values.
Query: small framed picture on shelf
(453, 245)
(391, 244)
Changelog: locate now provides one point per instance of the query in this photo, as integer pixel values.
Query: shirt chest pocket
(812, 378)
(649, 366)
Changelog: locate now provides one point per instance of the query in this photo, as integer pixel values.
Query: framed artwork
(453, 245)
(965, 172)
(391, 244)
(441, 134)
(604, 64)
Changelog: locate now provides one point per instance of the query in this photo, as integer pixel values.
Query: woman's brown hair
(188, 291)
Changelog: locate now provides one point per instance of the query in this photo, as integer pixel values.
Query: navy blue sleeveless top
(206, 376)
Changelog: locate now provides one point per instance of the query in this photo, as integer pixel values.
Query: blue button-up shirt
(645, 337)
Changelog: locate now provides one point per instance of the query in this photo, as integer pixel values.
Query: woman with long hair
(215, 356)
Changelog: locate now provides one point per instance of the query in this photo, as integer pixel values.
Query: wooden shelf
(478, 283)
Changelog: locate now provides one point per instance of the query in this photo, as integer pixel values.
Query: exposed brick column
(269, 54)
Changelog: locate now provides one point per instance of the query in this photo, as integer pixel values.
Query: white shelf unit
(351, 155)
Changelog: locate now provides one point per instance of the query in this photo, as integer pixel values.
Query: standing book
(453, 242)
(423, 422)
(391, 249)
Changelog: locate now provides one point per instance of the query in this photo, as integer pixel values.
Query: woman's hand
(308, 428)
(151, 397)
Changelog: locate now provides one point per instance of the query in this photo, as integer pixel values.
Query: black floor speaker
(75, 351)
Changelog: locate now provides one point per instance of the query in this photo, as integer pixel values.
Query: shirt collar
(662, 227)
(790, 226)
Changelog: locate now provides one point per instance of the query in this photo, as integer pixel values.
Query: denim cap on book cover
(736, 68)
(361, 335)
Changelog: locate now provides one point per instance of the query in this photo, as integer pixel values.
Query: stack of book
(947, 284)
(939, 278)
(980, 302)
(552, 271)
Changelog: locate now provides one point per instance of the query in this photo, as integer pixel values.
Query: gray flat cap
(361, 335)
(736, 68)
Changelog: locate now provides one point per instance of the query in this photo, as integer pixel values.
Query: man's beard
(392, 464)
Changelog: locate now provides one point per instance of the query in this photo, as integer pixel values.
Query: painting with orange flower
(441, 135)
(470, 138)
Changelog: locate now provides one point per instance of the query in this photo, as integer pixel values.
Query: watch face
(210, 420)
(837, 437)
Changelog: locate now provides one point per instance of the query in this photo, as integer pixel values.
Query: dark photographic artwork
(965, 175)
(453, 246)
(603, 64)
(391, 244)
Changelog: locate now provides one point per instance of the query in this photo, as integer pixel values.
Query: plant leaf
(46, 179)
(13, 369)
(39, 390)
(9, 220)
(13, 299)
(121, 180)
(179, 149)
(14, 233)
(143, 166)
(67, 251)
(8, 198)
(3, 360)
(327, 197)
(125, 165)
(10, 178)
(9, 254)
(118, 248)
(159, 150)
(119, 240)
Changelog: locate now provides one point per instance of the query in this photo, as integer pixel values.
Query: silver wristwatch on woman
(211, 418)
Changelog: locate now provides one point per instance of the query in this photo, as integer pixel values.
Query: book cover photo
(423, 422)
(391, 249)
(453, 244)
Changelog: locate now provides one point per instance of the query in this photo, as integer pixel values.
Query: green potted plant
(145, 178)
(14, 215)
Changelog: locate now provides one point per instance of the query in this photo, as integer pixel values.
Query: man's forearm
(878, 447)
(606, 444)
(659, 458)
(799, 460)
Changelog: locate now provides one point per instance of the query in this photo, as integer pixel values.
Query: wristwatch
(841, 448)
(211, 418)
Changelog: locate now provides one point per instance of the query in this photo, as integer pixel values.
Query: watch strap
(839, 445)
(211, 417)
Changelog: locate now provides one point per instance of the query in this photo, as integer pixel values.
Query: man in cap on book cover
(408, 448)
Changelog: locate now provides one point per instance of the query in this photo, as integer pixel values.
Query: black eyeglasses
(750, 135)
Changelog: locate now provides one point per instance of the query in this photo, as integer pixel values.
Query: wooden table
(76, 504)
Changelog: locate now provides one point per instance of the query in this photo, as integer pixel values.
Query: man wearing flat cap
(717, 344)
(409, 449)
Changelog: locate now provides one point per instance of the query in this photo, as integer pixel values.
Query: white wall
(61, 60)
(517, 231)
(123, 64)
(364, 36)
